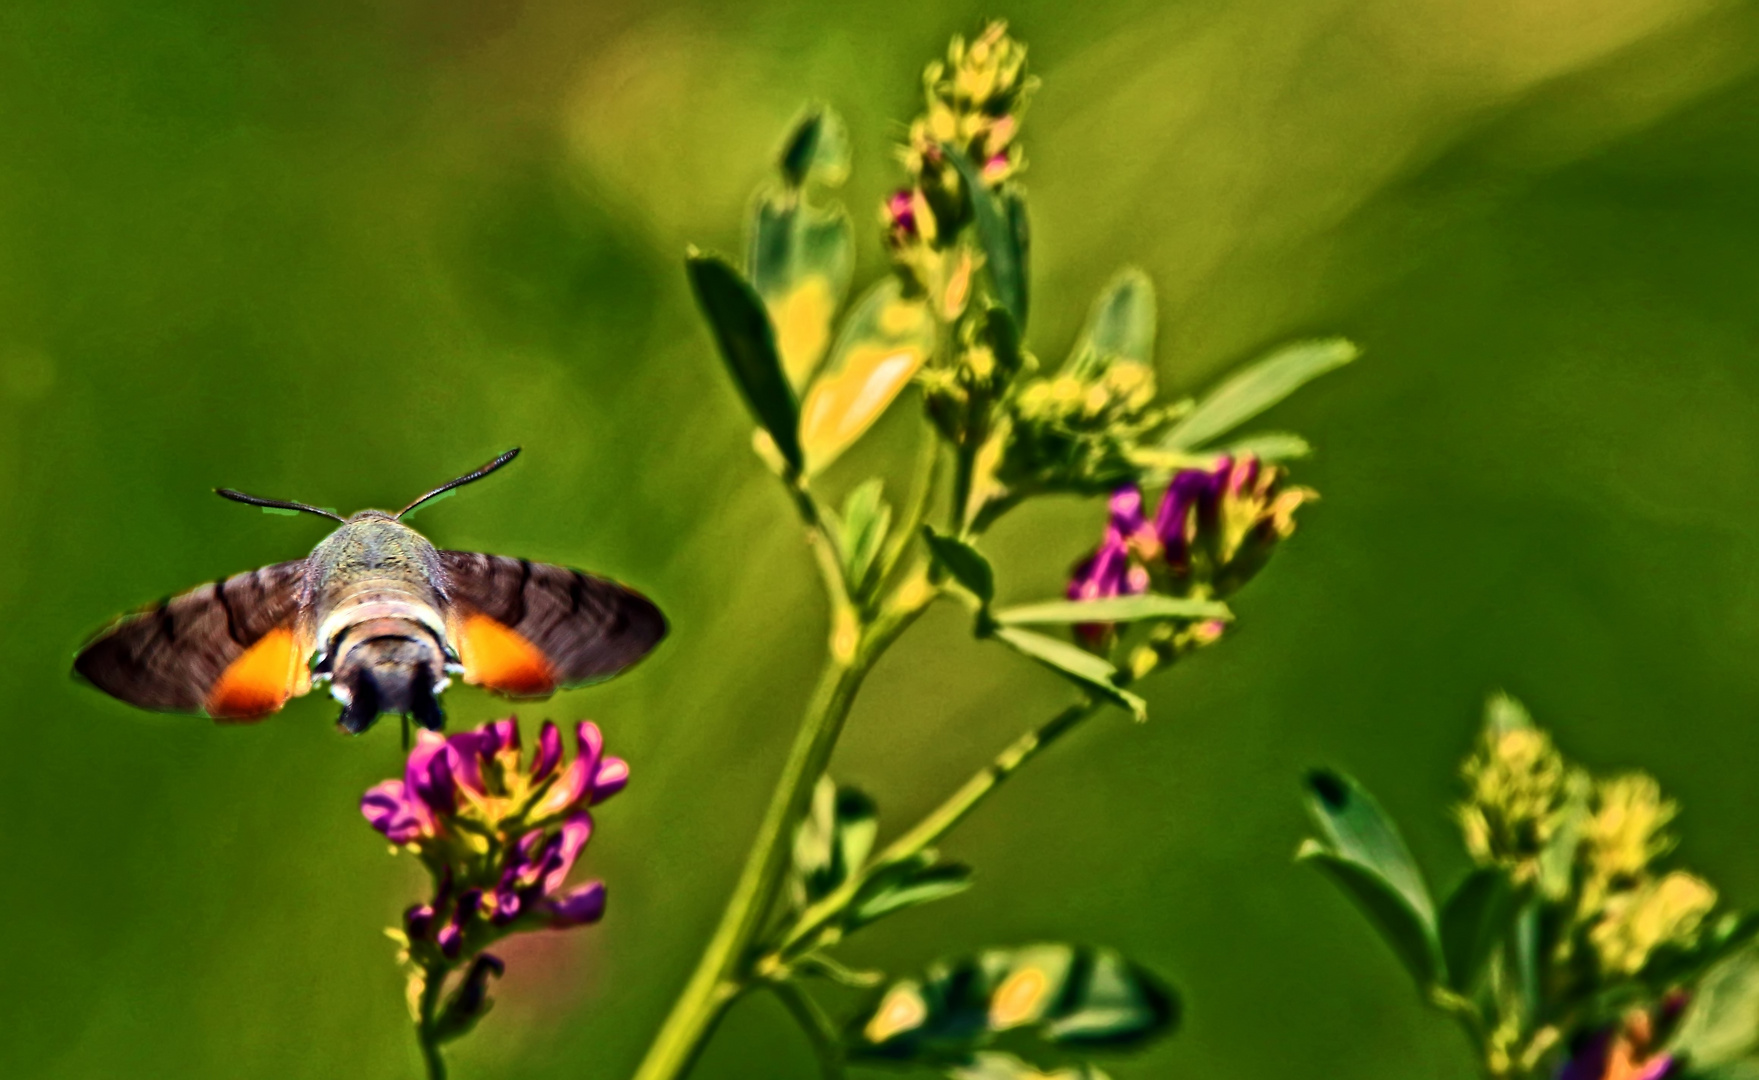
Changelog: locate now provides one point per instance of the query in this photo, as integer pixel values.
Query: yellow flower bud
(1638, 921)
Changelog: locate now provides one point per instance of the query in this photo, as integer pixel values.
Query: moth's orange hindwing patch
(261, 680)
(499, 658)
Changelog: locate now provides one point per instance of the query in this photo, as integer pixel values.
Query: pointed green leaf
(832, 842)
(800, 259)
(914, 885)
(965, 563)
(1000, 232)
(1270, 446)
(1013, 200)
(866, 521)
(748, 345)
(1119, 326)
(817, 149)
(801, 255)
(1474, 919)
(1255, 389)
(1672, 965)
(883, 343)
(1114, 609)
(1363, 852)
(1044, 1003)
(1720, 1028)
(1090, 672)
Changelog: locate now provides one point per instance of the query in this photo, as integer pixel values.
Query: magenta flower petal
(418, 920)
(1125, 507)
(590, 743)
(450, 940)
(501, 735)
(507, 907)
(464, 756)
(388, 809)
(901, 210)
(565, 792)
(576, 831)
(549, 752)
(613, 775)
(428, 774)
(583, 905)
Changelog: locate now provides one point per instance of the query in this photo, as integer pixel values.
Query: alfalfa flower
(1213, 529)
(1111, 570)
(500, 834)
(1636, 922)
(1220, 525)
(1517, 798)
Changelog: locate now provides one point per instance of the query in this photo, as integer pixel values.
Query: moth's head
(285, 506)
(388, 666)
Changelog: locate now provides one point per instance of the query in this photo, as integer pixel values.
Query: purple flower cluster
(1211, 532)
(500, 836)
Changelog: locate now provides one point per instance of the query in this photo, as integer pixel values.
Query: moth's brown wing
(232, 649)
(526, 628)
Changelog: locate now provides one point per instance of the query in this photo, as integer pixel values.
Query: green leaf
(1001, 231)
(965, 563)
(1013, 201)
(832, 842)
(1261, 385)
(817, 149)
(1119, 326)
(748, 345)
(1044, 1003)
(1720, 1028)
(1474, 919)
(1114, 609)
(1363, 852)
(906, 885)
(1671, 965)
(800, 259)
(883, 343)
(866, 521)
(1270, 446)
(1090, 672)
(989, 1066)
(801, 256)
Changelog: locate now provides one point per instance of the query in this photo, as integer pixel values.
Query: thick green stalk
(719, 975)
(433, 984)
(723, 972)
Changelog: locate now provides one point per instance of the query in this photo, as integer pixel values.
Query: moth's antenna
(469, 477)
(276, 504)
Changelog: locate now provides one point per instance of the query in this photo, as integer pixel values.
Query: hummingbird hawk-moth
(381, 615)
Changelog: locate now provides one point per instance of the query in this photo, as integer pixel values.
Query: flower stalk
(724, 971)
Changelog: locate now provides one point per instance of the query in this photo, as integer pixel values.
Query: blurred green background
(339, 252)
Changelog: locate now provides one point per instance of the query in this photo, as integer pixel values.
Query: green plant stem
(818, 1028)
(724, 969)
(931, 828)
(433, 985)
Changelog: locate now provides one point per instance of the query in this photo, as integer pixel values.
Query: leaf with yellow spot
(1048, 1003)
(801, 253)
(884, 342)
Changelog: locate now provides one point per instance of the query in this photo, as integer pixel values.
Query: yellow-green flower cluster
(1629, 911)
(1516, 799)
(974, 103)
(1590, 846)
